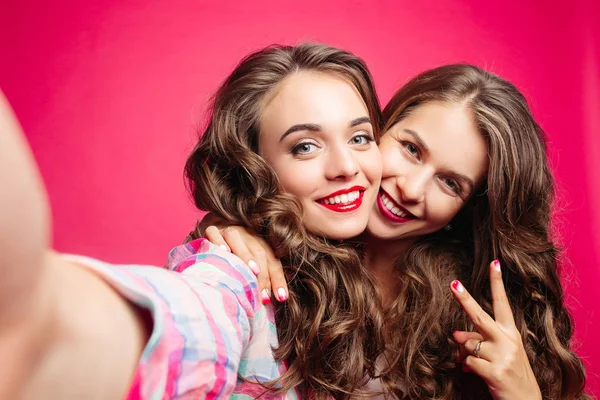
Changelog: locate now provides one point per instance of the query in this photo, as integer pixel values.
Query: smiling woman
(327, 156)
(290, 153)
(465, 181)
(434, 158)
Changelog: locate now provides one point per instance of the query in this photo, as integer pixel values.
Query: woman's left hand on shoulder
(495, 352)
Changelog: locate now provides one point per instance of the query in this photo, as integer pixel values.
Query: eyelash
(406, 146)
(366, 136)
(296, 149)
(456, 189)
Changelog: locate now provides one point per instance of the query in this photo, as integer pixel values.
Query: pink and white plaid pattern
(210, 327)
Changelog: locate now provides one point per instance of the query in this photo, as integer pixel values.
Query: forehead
(312, 97)
(452, 136)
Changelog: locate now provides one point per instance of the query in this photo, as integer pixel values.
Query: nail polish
(282, 294)
(497, 265)
(254, 267)
(265, 298)
(458, 286)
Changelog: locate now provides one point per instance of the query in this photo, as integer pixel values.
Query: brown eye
(411, 148)
(452, 185)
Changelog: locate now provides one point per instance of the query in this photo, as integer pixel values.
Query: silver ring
(477, 348)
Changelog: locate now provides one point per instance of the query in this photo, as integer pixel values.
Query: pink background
(110, 93)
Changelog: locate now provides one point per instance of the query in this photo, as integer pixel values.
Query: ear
(24, 210)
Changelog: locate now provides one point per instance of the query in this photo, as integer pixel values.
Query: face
(433, 161)
(317, 135)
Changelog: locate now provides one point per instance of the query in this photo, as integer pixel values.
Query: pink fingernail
(458, 286)
(254, 267)
(282, 294)
(497, 265)
(265, 298)
(225, 247)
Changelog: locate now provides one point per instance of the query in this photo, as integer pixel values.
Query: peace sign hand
(495, 352)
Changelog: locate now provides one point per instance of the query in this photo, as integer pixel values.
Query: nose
(342, 165)
(412, 186)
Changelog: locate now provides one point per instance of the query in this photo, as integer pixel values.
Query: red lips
(345, 200)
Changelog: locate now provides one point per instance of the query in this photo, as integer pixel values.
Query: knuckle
(469, 345)
(478, 318)
(278, 275)
(468, 361)
(264, 282)
(211, 231)
(230, 231)
(259, 252)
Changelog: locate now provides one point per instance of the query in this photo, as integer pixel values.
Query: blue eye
(304, 148)
(361, 139)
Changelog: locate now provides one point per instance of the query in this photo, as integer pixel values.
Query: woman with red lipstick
(466, 180)
(74, 327)
(290, 152)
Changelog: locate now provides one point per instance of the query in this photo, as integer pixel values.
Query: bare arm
(48, 306)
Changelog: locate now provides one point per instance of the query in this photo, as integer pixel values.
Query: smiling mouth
(392, 210)
(344, 200)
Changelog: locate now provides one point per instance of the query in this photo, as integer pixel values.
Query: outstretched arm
(24, 221)
(50, 309)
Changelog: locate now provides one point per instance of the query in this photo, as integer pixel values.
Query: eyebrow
(417, 138)
(468, 181)
(318, 128)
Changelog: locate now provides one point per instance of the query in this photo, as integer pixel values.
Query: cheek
(371, 165)
(442, 208)
(392, 161)
(296, 178)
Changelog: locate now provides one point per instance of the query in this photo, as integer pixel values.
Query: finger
(273, 271)
(213, 235)
(478, 366)
(463, 353)
(461, 337)
(259, 255)
(484, 348)
(502, 311)
(209, 220)
(466, 369)
(239, 248)
(278, 281)
(482, 321)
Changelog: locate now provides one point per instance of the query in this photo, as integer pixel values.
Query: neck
(381, 259)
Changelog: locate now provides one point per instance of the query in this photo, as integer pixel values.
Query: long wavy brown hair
(509, 219)
(329, 328)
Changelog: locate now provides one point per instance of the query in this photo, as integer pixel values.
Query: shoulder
(214, 266)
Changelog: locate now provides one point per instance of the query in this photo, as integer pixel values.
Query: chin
(339, 234)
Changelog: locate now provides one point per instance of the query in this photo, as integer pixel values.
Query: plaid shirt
(209, 326)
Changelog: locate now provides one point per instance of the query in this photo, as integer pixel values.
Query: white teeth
(390, 206)
(343, 198)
